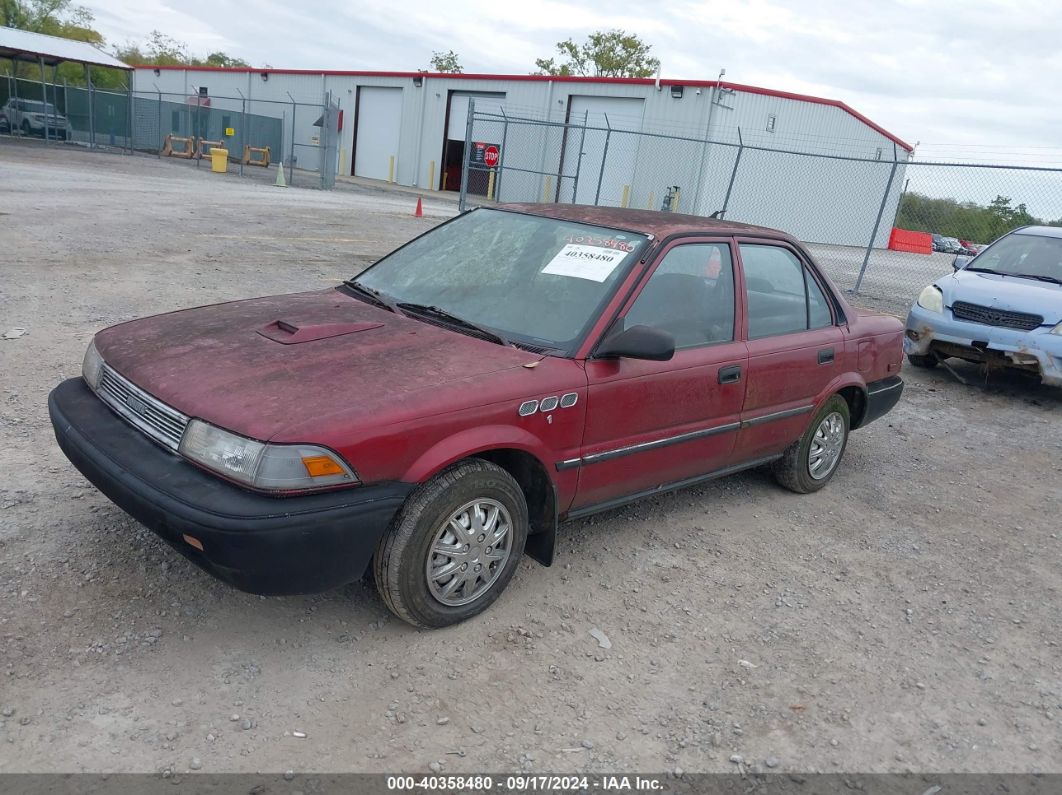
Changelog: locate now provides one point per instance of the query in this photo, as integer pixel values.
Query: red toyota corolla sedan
(438, 416)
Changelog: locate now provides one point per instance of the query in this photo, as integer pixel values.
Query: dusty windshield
(1033, 256)
(539, 281)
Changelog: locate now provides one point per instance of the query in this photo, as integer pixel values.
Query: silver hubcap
(469, 552)
(826, 446)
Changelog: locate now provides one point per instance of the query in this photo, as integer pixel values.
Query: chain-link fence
(880, 223)
(258, 134)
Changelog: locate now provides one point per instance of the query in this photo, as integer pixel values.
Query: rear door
(654, 423)
(794, 344)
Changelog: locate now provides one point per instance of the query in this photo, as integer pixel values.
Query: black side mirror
(638, 342)
(960, 262)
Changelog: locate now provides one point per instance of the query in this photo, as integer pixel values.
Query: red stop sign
(490, 156)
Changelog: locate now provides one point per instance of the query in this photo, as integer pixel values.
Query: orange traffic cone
(419, 212)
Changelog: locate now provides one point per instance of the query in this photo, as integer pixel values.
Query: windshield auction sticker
(585, 262)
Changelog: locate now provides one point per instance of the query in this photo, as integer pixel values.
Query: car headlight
(92, 366)
(1056, 330)
(269, 467)
(932, 299)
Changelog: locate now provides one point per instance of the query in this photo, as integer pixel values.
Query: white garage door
(485, 103)
(622, 114)
(379, 128)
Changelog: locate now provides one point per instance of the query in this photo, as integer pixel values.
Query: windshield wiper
(987, 270)
(374, 295)
(442, 314)
(1051, 279)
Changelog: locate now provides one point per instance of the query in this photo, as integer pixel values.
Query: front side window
(783, 296)
(690, 295)
(539, 281)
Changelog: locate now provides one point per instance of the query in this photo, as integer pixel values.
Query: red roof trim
(836, 103)
(637, 81)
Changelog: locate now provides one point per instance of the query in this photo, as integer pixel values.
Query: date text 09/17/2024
(523, 783)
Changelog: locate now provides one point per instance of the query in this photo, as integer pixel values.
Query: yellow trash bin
(219, 160)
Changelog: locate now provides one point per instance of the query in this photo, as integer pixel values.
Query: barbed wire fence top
(880, 222)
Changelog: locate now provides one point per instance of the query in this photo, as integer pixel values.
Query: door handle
(730, 375)
(826, 356)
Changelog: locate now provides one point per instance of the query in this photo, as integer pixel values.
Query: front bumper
(943, 335)
(257, 543)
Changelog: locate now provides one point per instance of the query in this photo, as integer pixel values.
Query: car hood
(1004, 292)
(260, 366)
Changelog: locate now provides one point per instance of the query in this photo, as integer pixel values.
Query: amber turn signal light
(321, 465)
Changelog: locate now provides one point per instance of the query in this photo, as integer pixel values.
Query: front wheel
(454, 546)
(809, 463)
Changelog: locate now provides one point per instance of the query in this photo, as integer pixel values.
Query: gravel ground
(906, 617)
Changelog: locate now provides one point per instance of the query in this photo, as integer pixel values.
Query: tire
(457, 499)
(26, 129)
(794, 469)
(926, 362)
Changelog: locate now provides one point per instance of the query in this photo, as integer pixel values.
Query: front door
(795, 348)
(654, 423)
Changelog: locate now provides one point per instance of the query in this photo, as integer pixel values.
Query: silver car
(33, 117)
(1003, 307)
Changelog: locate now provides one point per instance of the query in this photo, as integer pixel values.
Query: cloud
(980, 71)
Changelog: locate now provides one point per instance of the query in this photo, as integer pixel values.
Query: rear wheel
(809, 463)
(454, 546)
(928, 362)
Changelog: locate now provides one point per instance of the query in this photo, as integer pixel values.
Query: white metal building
(410, 127)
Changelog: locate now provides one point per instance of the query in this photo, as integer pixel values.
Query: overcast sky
(973, 79)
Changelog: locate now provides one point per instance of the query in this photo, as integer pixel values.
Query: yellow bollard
(445, 175)
(675, 201)
(490, 185)
(343, 161)
(431, 175)
(626, 200)
(652, 198)
(547, 190)
(391, 169)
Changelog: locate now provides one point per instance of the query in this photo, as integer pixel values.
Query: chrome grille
(154, 418)
(989, 316)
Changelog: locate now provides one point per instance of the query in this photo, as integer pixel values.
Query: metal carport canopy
(22, 45)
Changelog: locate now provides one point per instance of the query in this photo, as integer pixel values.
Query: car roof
(1041, 231)
(650, 222)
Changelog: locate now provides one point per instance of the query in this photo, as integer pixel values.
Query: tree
(615, 53)
(53, 17)
(159, 50)
(963, 220)
(59, 18)
(163, 50)
(227, 61)
(446, 62)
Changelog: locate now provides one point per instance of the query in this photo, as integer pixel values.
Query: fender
(849, 379)
(541, 544)
(471, 441)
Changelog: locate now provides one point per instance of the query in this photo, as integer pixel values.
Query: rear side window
(783, 297)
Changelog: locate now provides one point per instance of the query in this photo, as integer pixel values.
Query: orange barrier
(189, 147)
(911, 242)
(200, 151)
(250, 151)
